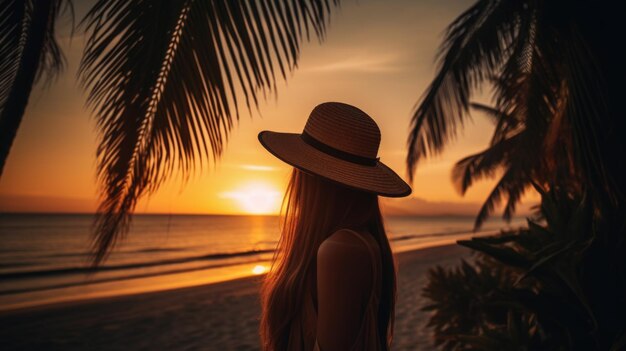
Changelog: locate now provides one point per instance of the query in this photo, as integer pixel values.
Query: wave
(108, 280)
(147, 250)
(106, 268)
(42, 273)
(17, 265)
(434, 235)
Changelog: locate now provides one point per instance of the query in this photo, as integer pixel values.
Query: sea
(45, 258)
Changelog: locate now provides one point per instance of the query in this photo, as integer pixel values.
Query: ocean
(44, 258)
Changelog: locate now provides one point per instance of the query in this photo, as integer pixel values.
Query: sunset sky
(378, 55)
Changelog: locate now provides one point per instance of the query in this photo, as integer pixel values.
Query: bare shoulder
(344, 249)
(344, 279)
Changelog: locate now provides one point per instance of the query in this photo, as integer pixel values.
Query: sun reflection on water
(259, 269)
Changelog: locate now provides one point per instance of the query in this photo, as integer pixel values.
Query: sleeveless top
(303, 334)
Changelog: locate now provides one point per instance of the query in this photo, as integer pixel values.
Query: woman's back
(341, 314)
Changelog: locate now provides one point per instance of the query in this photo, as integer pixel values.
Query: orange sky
(378, 55)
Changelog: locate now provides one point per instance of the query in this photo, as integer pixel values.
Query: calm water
(44, 257)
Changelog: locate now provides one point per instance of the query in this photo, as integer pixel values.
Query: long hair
(314, 208)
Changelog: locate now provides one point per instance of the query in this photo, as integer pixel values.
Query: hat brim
(290, 148)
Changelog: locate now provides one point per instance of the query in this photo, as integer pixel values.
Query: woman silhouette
(332, 285)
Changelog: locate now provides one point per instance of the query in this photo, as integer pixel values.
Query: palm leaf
(506, 124)
(484, 164)
(475, 45)
(587, 110)
(525, 104)
(165, 79)
(514, 196)
(496, 115)
(28, 52)
(503, 254)
(512, 184)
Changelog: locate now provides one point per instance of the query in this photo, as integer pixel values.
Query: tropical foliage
(166, 81)
(547, 115)
(536, 288)
(514, 152)
(559, 126)
(28, 53)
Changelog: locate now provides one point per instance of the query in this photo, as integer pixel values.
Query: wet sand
(221, 316)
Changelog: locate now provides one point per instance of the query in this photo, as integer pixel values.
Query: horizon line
(2, 213)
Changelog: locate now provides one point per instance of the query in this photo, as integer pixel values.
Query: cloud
(361, 63)
(256, 198)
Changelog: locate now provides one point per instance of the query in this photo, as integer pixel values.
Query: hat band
(329, 150)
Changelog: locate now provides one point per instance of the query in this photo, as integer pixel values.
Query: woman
(332, 283)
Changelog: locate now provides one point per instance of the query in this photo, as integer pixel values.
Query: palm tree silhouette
(165, 81)
(546, 79)
(520, 155)
(511, 152)
(559, 79)
(28, 53)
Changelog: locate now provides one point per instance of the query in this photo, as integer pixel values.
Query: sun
(256, 198)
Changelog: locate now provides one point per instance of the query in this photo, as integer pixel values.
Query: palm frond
(512, 185)
(28, 52)
(514, 195)
(484, 164)
(587, 110)
(506, 124)
(493, 113)
(525, 104)
(474, 47)
(165, 79)
(11, 17)
(517, 152)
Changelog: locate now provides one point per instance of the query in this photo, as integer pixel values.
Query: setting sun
(256, 198)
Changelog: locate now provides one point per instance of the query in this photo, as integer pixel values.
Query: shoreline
(165, 282)
(220, 316)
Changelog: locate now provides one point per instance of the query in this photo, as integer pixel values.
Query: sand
(222, 316)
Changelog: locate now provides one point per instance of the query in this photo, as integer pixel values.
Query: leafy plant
(464, 302)
(531, 289)
(557, 92)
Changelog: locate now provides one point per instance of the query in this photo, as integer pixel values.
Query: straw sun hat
(340, 143)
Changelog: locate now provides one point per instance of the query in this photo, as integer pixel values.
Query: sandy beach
(221, 316)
